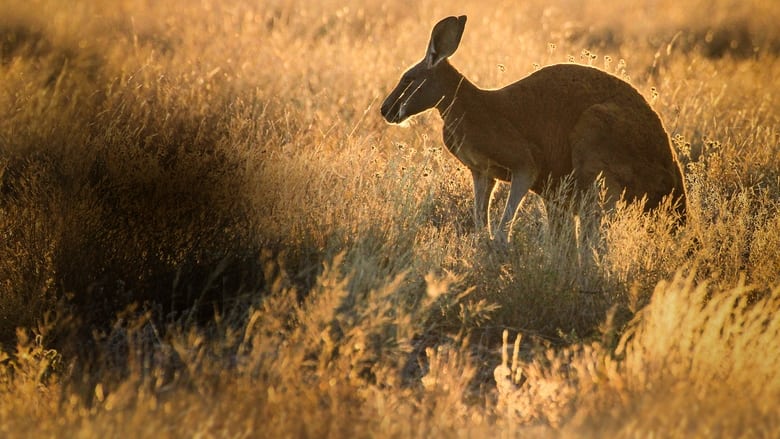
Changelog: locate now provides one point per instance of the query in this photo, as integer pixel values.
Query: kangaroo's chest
(475, 153)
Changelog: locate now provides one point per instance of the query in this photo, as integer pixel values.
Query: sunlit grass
(206, 229)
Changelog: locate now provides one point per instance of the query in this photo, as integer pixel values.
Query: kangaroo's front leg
(483, 191)
(521, 183)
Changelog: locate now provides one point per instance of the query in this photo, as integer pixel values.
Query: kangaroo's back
(554, 99)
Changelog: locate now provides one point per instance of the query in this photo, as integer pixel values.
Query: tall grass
(207, 229)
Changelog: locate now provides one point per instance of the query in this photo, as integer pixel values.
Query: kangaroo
(561, 120)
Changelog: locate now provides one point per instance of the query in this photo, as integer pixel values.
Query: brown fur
(560, 120)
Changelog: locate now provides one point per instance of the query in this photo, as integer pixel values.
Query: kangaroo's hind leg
(629, 150)
(599, 150)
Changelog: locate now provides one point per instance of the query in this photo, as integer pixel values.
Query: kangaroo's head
(419, 88)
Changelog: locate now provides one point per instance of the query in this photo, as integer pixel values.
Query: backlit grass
(206, 229)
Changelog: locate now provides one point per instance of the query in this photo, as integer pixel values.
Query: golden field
(207, 229)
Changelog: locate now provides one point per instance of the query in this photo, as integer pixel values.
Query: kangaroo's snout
(390, 111)
(394, 107)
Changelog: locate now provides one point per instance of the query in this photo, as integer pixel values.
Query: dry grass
(207, 229)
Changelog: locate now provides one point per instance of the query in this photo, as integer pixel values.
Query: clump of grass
(686, 339)
(116, 191)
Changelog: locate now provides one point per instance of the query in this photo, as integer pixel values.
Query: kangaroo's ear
(445, 39)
